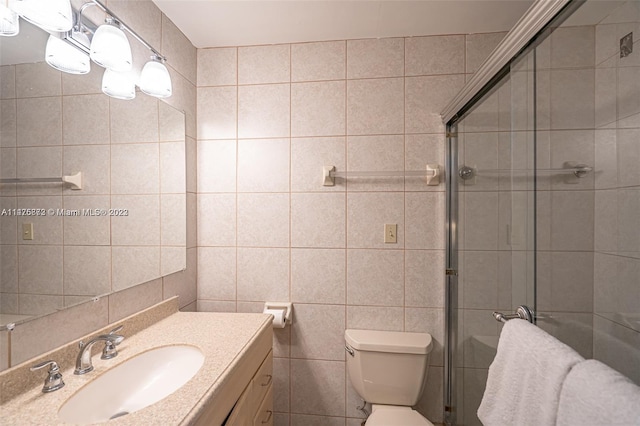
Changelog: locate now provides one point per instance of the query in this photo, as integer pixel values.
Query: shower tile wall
(587, 281)
(616, 334)
(78, 111)
(565, 97)
(269, 118)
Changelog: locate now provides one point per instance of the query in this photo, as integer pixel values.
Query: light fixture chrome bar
(79, 25)
(75, 181)
(129, 30)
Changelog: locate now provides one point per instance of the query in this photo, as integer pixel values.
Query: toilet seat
(389, 415)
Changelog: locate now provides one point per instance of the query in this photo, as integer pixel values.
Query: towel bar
(523, 312)
(75, 181)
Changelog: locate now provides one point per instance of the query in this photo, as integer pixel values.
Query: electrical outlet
(390, 233)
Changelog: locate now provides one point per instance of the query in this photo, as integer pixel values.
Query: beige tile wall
(62, 144)
(269, 118)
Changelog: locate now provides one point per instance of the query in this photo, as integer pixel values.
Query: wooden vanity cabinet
(245, 398)
(255, 405)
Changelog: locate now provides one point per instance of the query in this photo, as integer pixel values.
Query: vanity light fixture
(110, 42)
(50, 15)
(9, 21)
(74, 43)
(110, 47)
(66, 57)
(155, 79)
(118, 85)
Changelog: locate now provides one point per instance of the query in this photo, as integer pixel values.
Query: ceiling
(214, 23)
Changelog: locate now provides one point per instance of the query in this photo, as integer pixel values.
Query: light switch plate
(27, 231)
(390, 233)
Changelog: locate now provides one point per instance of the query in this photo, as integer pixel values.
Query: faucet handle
(115, 330)
(110, 351)
(54, 381)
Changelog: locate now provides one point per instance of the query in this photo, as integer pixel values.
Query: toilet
(389, 369)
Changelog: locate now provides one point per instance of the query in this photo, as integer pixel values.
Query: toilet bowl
(389, 369)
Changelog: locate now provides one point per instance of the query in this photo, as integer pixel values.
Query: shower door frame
(540, 16)
(451, 274)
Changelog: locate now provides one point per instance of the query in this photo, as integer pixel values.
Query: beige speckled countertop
(223, 337)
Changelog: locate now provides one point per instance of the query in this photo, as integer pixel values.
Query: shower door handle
(523, 312)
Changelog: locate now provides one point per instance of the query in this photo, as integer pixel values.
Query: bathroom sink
(135, 384)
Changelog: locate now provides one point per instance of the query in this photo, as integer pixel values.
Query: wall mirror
(127, 225)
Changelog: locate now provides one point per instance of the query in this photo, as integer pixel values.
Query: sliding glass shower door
(492, 206)
(543, 199)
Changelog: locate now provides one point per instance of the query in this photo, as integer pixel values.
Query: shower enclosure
(544, 195)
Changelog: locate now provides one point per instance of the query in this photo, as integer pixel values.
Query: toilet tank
(388, 367)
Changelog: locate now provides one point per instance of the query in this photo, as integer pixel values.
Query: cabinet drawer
(264, 416)
(262, 381)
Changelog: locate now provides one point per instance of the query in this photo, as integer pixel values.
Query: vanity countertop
(224, 338)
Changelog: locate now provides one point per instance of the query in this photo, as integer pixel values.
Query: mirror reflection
(127, 225)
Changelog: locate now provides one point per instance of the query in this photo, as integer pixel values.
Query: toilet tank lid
(389, 341)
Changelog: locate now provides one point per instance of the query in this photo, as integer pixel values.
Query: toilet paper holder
(287, 307)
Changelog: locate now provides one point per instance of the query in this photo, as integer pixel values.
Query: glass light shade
(64, 57)
(9, 22)
(155, 80)
(118, 85)
(110, 48)
(50, 15)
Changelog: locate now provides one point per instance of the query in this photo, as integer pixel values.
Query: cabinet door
(264, 416)
(241, 413)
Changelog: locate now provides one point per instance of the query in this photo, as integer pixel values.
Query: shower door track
(534, 21)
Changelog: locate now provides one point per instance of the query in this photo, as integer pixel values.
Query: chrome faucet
(83, 361)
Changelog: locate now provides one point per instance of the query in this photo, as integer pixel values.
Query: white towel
(525, 378)
(594, 395)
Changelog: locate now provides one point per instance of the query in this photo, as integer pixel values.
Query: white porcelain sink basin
(136, 383)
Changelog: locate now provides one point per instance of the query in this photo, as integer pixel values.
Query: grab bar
(523, 312)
